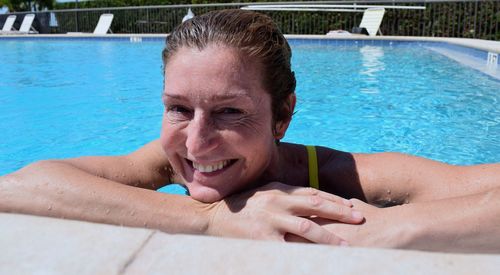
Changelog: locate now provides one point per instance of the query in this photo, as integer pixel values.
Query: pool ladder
(135, 39)
(492, 60)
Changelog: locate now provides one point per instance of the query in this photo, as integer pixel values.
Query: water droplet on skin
(388, 192)
(107, 211)
(407, 201)
(132, 213)
(50, 207)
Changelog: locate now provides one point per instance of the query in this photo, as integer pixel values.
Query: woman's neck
(288, 165)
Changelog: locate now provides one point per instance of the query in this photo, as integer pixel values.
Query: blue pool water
(65, 98)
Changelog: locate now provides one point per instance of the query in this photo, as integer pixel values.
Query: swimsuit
(313, 166)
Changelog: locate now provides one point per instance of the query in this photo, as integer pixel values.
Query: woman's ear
(288, 108)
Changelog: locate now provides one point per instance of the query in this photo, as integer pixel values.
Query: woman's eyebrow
(174, 96)
(229, 96)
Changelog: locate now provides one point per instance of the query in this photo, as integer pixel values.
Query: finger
(309, 191)
(296, 190)
(308, 206)
(309, 230)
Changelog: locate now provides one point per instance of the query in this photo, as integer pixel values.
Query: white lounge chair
(103, 25)
(9, 23)
(372, 18)
(26, 25)
(188, 16)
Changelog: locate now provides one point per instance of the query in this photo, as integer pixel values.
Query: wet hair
(255, 36)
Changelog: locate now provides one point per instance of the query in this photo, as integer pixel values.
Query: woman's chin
(205, 194)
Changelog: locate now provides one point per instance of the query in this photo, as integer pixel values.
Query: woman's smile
(210, 168)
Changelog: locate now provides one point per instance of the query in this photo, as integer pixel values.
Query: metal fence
(448, 18)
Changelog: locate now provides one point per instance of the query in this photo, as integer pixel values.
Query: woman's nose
(201, 134)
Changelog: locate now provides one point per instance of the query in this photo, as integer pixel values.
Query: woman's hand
(380, 227)
(277, 210)
(366, 233)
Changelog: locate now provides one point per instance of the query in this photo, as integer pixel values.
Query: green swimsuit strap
(313, 166)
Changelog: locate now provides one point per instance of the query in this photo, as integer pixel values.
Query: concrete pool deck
(40, 245)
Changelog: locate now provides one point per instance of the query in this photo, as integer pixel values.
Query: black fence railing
(444, 18)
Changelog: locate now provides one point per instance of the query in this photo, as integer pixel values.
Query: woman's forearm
(57, 189)
(460, 224)
(463, 224)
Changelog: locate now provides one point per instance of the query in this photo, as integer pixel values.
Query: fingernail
(347, 202)
(344, 243)
(357, 215)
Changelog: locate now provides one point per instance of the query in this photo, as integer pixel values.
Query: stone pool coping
(41, 245)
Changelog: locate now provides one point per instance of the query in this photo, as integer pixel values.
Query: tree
(25, 5)
(6, 3)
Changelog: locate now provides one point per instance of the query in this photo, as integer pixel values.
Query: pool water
(66, 98)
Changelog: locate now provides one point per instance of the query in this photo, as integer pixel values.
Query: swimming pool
(64, 98)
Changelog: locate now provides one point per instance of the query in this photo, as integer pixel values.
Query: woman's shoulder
(153, 162)
(338, 173)
(325, 155)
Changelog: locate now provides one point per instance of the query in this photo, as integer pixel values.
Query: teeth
(210, 168)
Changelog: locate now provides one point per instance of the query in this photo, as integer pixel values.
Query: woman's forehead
(213, 71)
(215, 56)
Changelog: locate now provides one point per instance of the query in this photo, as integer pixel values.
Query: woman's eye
(178, 112)
(177, 109)
(230, 111)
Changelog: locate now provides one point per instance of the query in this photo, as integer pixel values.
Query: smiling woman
(229, 98)
(209, 114)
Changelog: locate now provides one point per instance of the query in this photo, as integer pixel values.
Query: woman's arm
(102, 189)
(393, 178)
(435, 206)
(57, 189)
(460, 224)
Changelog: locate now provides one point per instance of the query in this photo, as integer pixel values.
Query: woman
(229, 98)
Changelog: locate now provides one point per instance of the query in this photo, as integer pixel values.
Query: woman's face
(217, 124)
